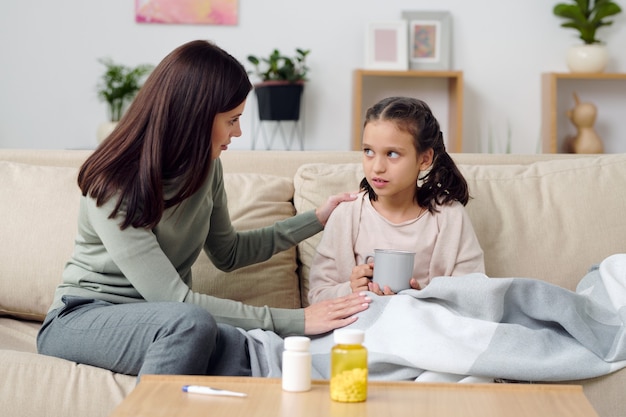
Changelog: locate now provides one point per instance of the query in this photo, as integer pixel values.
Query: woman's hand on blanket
(361, 277)
(323, 212)
(328, 315)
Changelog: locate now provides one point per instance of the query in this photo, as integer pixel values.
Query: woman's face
(225, 126)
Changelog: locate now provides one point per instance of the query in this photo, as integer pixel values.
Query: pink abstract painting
(208, 12)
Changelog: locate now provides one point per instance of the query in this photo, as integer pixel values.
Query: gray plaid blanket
(474, 328)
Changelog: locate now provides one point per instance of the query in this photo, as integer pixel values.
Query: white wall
(49, 68)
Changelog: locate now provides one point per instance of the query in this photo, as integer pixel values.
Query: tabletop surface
(162, 395)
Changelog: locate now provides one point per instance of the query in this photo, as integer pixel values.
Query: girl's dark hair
(444, 183)
(166, 134)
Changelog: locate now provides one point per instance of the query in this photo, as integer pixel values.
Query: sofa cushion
(38, 385)
(38, 211)
(567, 212)
(255, 201)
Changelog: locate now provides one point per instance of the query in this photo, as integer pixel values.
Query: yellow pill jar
(348, 366)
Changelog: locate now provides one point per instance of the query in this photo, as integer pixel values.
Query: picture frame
(429, 38)
(386, 45)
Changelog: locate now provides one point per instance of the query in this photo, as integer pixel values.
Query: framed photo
(428, 40)
(386, 46)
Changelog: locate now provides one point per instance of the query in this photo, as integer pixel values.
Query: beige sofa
(540, 216)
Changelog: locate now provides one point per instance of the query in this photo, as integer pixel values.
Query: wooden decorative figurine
(583, 116)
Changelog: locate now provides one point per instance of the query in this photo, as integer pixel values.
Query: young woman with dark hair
(412, 199)
(153, 198)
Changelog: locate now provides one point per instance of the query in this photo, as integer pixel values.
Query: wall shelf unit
(442, 90)
(553, 97)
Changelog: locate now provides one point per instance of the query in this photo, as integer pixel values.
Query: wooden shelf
(550, 113)
(373, 85)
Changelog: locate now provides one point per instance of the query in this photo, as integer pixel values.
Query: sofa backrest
(542, 216)
(38, 212)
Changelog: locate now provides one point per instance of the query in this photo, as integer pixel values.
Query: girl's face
(225, 126)
(390, 160)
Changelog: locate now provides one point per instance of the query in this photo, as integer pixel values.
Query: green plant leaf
(119, 84)
(587, 16)
(605, 10)
(279, 67)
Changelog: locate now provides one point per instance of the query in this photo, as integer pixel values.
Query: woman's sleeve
(137, 254)
(229, 249)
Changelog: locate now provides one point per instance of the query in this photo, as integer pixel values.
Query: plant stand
(267, 131)
(291, 132)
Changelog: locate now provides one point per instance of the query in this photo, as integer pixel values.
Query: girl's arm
(457, 250)
(334, 258)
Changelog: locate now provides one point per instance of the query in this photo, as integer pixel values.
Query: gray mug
(393, 268)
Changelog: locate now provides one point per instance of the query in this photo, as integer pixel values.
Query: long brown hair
(444, 183)
(165, 134)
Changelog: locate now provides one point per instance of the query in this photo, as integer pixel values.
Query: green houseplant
(587, 16)
(281, 84)
(119, 84)
(278, 67)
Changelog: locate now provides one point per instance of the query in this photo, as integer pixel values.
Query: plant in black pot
(282, 83)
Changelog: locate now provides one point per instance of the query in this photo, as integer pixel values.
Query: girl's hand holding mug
(393, 271)
(361, 277)
(375, 288)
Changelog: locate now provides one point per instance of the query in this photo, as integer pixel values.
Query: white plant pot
(104, 130)
(587, 58)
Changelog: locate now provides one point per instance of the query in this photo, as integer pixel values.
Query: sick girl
(412, 198)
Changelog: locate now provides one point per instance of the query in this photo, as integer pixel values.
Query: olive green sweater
(136, 264)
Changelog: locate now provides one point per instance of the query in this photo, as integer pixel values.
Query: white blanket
(474, 328)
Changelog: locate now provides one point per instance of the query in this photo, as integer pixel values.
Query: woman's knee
(185, 342)
(194, 322)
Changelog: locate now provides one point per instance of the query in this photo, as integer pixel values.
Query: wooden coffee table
(162, 395)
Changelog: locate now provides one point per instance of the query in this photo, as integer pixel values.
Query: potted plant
(282, 83)
(117, 87)
(587, 16)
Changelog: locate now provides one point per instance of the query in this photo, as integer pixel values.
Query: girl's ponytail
(444, 183)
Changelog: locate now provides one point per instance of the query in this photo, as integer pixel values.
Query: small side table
(162, 396)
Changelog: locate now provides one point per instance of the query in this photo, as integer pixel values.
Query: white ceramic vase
(587, 58)
(105, 130)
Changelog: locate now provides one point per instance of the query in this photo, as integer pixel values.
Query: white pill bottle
(297, 364)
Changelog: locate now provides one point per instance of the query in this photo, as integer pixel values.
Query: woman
(153, 198)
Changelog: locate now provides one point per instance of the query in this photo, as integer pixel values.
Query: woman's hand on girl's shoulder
(323, 212)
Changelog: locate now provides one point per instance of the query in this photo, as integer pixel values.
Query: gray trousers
(144, 338)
